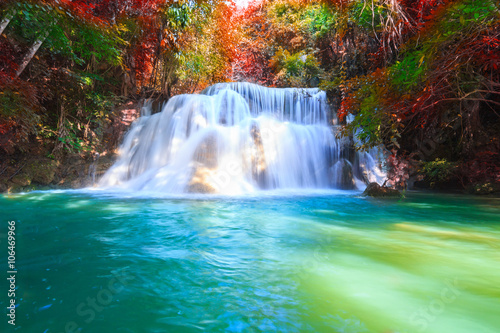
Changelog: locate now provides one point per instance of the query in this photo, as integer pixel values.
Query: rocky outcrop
(121, 120)
(41, 173)
(78, 172)
(377, 191)
(31, 173)
(36, 168)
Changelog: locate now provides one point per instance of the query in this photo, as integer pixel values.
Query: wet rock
(121, 119)
(206, 152)
(257, 157)
(205, 157)
(341, 175)
(201, 181)
(103, 164)
(377, 191)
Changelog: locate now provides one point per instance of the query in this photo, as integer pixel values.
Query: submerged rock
(377, 191)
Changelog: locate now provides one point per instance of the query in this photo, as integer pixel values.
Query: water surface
(324, 262)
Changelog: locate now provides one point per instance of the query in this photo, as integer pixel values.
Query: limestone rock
(206, 161)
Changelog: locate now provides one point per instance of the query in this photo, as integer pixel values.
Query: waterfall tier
(236, 138)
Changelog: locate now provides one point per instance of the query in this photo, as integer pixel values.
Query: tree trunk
(27, 58)
(6, 20)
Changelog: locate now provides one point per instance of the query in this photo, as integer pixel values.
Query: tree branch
(27, 58)
(5, 22)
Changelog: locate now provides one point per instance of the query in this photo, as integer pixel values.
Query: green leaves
(468, 14)
(408, 73)
(178, 16)
(312, 20)
(439, 170)
(323, 20)
(31, 21)
(69, 37)
(295, 69)
(368, 15)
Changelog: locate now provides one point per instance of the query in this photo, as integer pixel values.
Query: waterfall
(237, 138)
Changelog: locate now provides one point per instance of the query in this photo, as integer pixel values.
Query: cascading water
(236, 138)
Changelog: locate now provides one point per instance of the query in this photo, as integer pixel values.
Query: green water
(317, 263)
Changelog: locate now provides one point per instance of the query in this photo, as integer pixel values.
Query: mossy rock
(21, 179)
(377, 191)
(15, 188)
(42, 171)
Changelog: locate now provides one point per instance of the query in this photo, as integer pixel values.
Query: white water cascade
(236, 138)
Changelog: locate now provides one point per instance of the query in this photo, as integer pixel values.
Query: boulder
(377, 191)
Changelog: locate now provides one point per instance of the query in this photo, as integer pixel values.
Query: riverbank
(40, 165)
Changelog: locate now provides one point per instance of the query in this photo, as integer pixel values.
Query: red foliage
(8, 56)
(251, 60)
(416, 18)
(399, 170)
(144, 54)
(484, 166)
(487, 54)
(15, 128)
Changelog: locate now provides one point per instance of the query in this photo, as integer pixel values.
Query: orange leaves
(348, 103)
(226, 29)
(251, 59)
